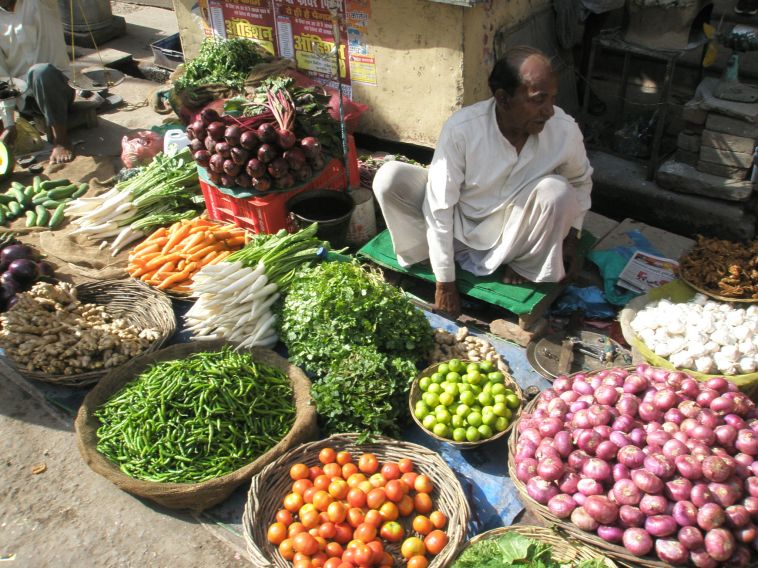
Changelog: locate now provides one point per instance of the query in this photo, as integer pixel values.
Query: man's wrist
(444, 286)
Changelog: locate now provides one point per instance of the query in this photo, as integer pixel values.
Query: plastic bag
(139, 148)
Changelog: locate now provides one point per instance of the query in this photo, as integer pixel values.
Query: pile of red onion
(253, 152)
(649, 459)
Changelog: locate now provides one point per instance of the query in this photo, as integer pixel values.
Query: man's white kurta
(31, 34)
(478, 192)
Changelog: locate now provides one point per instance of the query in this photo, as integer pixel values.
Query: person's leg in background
(49, 90)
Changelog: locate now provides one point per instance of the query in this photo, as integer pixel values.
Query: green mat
(519, 299)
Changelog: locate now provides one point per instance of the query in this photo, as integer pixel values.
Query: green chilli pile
(195, 419)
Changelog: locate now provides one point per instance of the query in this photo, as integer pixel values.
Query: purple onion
(678, 489)
(589, 487)
(637, 541)
(610, 533)
(691, 537)
(653, 504)
(685, 513)
(540, 490)
(630, 516)
(661, 525)
(671, 551)
(562, 505)
(626, 492)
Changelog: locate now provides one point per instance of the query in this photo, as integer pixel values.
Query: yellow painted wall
(431, 59)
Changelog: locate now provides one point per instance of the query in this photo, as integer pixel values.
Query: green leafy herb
(337, 306)
(227, 62)
(511, 550)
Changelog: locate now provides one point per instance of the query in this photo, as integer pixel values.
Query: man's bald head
(510, 72)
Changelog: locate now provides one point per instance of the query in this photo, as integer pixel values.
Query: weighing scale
(739, 39)
(562, 354)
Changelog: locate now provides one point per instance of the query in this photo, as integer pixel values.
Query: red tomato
(324, 518)
(295, 528)
(378, 549)
(423, 484)
(344, 533)
(377, 480)
(299, 557)
(365, 532)
(376, 497)
(356, 497)
(395, 490)
(348, 557)
(322, 500)
(338, 488)
(332, 470)
(388, 561)
(374, 517)
(438, 518)
(301, 485)
(389, 511)
(334, 549)
(365, 486)
(319, 559)
(315, 471)
(313, 532)
(327, 455)
(337, 512)
(363, 555)
(344, 457)
(405, 465)
(321, 542)
(355, 479)
(310, 519)
(355, 516)
(327, 530)
(349, 469)
(417, 562)
(292, 502)
(284, 516)
(422, 525)
(406, 506)
(391, 470)
(368, 464)
(299, 471)
(304, 562)
(286, 549)
(392, 531)
(423, 503)
(409, 479)
(305, 543)
(276, 533)
(412, 546)
(333, 562)
(322, 482)
(435, 541)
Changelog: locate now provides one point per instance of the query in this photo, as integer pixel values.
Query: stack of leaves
(225, 62)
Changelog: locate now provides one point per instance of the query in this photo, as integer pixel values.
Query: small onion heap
(261, 152)
(652, 460)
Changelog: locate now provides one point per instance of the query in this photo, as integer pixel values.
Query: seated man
(509, 185)
(32, 49)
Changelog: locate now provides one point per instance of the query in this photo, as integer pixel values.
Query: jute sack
(192, 496)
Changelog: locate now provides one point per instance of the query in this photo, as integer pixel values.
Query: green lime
(442, 368)
(429, 421)
(499, 398)
(435, 388)
(512, 401)
(457, 421)
(454, 365)
(453, 377)
(488, 417)
(467, 398)
(485, 431)
(438, 378)
(459, 434)
(446, 399)
(476, 408)
(499, 409)
(508, 391)
(474, 419)
(496, 377)
(472, 434)
(484, 398)
(431, 399)
(473, 377)
(423, 383)
(453, 389)
(508, 414)
(497, 388)
(421, 413)
(486, 366)
(464, 387)
(472, 367)
(476, 389)
(487, 387)
(501, 424)
(463, 410)
(442, 415)
(441, 430)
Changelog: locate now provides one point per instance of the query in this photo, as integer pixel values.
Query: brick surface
(722, 171)
(721, 123)
(724, 141)
(690, 158)
(689, 142)
(725, 157)
(694, 114)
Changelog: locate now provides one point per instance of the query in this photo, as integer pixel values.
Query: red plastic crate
(268, 213)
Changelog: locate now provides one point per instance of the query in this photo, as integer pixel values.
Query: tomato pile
(342, 514)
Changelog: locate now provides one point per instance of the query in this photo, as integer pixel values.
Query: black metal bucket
(330, 209)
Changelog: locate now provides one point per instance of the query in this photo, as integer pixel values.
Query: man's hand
(570, 256)
(8, 136)
(447, 299)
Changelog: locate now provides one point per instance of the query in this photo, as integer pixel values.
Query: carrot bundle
(170, 257)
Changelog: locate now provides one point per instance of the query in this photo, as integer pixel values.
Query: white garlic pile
(703, 335)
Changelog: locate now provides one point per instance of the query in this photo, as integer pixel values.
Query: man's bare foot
(61, 155)
(510, 276)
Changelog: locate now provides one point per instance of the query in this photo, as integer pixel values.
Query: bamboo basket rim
(143, 302)
(415, 394)
(614, 551)
(715, 295)
(270, 485)
(551, 535)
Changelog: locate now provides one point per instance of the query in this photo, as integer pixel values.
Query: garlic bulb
(704, 364)
(747, 365)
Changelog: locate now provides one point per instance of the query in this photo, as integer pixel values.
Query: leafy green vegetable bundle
(512, 549)
(219, 61)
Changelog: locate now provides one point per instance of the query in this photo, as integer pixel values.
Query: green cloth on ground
(519, 299)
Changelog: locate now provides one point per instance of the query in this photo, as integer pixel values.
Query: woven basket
(269, 487)
(564, 549)
(193, 496)
(416, 393)
(617, 553)
(138, 305)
